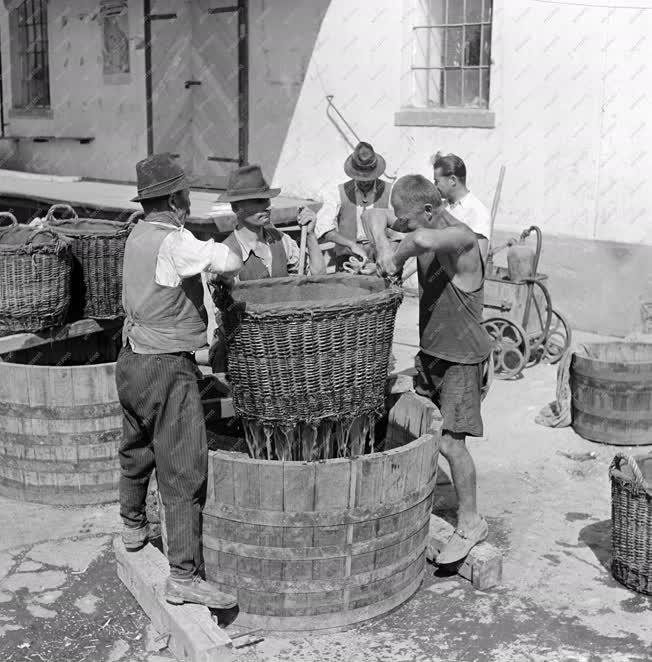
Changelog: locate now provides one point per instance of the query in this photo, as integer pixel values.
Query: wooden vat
(612, 393)
(318, 546)
(60, 423)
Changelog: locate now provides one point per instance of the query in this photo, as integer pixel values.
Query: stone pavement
(544, 492)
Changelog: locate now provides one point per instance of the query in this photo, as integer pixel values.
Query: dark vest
(347, 222)
(450, 320)
(254, 268)
(159, 319)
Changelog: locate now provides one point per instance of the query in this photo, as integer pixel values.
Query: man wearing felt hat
(156, 375)
(341, 221)
(266, 252)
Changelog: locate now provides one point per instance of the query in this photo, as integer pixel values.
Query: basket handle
(49, 217)
(10, 216)
(633, 465)
(34, 234)
(136, 215)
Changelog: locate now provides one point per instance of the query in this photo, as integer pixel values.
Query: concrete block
(483, 567)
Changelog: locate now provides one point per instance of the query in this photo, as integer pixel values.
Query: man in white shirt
(156, 375)
(449, 172)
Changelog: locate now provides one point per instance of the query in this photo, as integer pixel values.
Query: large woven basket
(35, 272)
(631, 515)
(308, 348)
(98, 248)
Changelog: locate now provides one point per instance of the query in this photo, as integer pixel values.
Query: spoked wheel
(511, 350)
(558, 339)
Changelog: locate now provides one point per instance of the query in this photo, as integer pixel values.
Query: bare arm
(375, 222)
(339, 239)
(315, 255)
(452, 240)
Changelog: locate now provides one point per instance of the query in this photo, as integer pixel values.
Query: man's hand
(385, 263)
(224, 280)
(359, 251)
(307, 217)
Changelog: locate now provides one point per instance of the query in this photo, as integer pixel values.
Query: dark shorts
(455, 388)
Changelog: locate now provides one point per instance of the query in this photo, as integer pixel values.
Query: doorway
(196, 85)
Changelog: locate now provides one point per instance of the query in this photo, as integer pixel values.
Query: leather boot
(198, 591)
(134, 538)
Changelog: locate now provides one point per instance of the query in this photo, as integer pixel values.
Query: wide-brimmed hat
(247, 183)
(157, 176)
(364, 163)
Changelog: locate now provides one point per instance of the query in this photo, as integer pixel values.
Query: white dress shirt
(471, 211)
(182, 255)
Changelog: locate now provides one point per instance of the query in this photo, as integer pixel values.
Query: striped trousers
(163, 427)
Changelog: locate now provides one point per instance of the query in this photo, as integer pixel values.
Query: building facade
(558, 92)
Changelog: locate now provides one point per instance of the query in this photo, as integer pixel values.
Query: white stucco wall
(570, 89)
(82, 103)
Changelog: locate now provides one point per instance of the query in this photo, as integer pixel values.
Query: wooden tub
(60, 418)
(61, 422)
(319, 546)
(612, 393)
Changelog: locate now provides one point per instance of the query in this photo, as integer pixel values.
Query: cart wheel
(511, 349)
(558, 340)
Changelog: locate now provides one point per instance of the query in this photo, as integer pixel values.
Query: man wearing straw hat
(266, 251)
(341, 221)
(156, 375)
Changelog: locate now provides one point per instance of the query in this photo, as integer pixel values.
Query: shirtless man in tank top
(454, 345)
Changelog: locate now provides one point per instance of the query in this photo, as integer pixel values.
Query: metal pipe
(2, 97)
(329, 98)
(148, 77)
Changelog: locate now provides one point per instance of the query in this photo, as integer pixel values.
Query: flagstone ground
(544, 492)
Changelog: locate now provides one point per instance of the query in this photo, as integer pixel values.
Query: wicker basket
(35, 273)
(631, 515)
(302, 349)
(98, 248)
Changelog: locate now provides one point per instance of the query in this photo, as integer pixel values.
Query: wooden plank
(298, 486)
(14, 386)
(246, 483)
(271, 485)
(18, 341)
(193, 634)
(332, 484)
(483, 567)
(222, 479)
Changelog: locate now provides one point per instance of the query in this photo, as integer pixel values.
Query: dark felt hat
(364, 163)
(159, 175)
(247, 183)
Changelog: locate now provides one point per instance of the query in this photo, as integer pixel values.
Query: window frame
(444, 115)
(29, 55)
